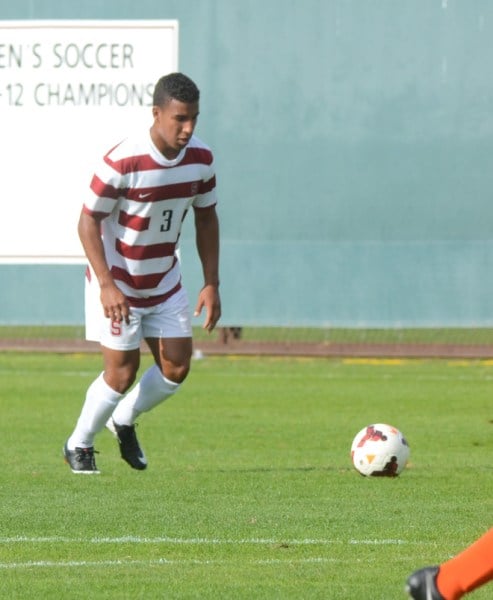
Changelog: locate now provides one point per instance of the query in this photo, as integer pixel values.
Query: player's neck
(167, 151)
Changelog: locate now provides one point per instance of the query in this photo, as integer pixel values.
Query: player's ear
(155, 112)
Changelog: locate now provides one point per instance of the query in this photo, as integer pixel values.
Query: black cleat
(422, 584)
(130, 450)
(81, 460)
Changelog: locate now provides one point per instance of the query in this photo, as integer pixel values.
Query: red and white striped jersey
(143, 199)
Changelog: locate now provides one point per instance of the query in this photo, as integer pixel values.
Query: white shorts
(170, 319)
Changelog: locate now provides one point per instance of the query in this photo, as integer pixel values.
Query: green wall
(354, 147)
(42, 294)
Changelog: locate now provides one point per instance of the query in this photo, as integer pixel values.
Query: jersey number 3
(166, 224)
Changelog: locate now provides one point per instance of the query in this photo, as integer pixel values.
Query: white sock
(99, 404)
(152, 389)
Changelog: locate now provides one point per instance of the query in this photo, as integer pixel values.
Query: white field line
(159, 561)
(179, 541)
(197, 541)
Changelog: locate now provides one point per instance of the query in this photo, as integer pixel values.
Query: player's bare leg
(173, 356)
(120, 368)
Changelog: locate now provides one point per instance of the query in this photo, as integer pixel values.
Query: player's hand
(210, 300)
(115, 305)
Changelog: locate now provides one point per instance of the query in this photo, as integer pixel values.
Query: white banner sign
(69, 91)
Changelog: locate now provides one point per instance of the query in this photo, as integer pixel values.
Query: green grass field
(427, 335)
(249, 493)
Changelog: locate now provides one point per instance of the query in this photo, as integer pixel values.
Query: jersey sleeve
(206, 195)
(106, 188)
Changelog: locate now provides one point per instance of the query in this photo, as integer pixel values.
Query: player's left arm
(207, 239)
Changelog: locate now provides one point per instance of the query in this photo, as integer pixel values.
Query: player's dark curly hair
(177, 86)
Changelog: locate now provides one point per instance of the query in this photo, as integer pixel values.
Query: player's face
(174, 123)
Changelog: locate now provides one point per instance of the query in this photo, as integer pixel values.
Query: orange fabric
(468, 570)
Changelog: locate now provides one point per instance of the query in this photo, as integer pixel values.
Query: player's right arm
(115, 305)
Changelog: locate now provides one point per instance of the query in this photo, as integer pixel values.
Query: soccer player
(456, 577)
(129, 228)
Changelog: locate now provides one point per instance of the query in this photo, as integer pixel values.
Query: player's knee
(176, 373)
(121, 378)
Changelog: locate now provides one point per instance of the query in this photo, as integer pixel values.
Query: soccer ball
(380, 450)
